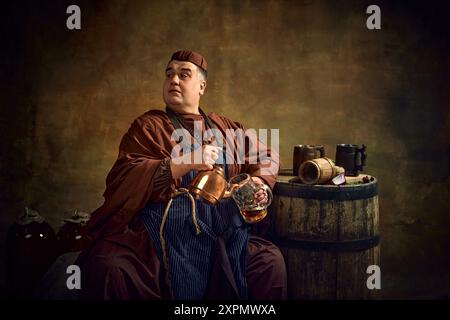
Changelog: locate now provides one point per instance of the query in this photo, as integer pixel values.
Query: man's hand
(201, 159)
(210, 154)
(261, 196)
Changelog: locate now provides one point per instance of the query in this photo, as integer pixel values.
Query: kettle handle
(361, 151)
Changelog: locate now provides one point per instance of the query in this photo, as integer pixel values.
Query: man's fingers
(213, 149)
(210, 148)
(210, 159)
(261, 193)
(214, 156)
(210, 154)
(205, 166)
(261, 200)
(257, 180)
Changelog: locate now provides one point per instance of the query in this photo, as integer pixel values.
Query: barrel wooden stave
(352, 276)
(322, 274)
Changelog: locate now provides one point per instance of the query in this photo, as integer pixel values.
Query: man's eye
(184, 75)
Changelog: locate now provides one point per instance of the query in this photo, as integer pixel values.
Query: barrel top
(351, 191)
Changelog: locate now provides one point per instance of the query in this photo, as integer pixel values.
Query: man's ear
(202, 87)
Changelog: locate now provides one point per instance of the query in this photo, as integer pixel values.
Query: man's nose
(174, 80)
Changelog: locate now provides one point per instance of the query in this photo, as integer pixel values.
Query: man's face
(183, 85)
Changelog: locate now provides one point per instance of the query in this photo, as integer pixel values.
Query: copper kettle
(211, 186)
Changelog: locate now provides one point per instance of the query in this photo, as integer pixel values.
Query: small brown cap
(191, 56)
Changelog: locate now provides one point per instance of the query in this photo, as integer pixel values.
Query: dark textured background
(310, 68)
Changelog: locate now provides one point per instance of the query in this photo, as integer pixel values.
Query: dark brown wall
(310, 68)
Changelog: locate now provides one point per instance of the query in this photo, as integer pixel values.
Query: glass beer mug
(244, 196)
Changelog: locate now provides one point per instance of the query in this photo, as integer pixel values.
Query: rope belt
(177, 192)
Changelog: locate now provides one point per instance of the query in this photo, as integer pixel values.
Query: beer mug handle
(362, 151)
(322, 151)
(269, 194)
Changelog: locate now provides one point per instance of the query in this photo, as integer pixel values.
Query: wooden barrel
(329, 236)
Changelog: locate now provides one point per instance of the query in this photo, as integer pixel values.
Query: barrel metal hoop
(336, 193)
(339, 246)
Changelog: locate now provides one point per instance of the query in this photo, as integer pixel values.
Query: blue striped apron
(191, 256)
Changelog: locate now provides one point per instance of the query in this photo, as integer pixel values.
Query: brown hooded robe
(121, 261)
